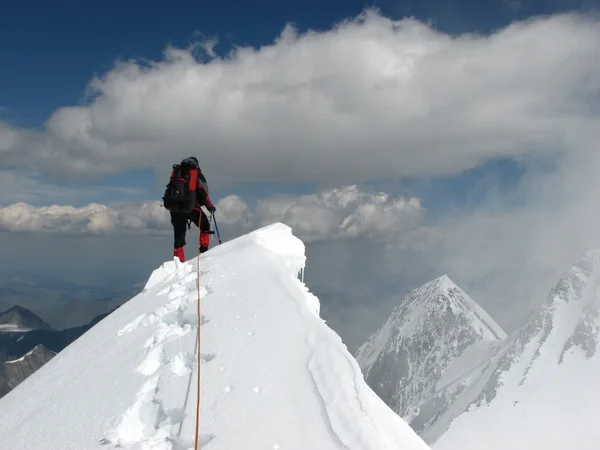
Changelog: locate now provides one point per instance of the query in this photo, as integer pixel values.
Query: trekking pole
(216, 227)
(214, 220)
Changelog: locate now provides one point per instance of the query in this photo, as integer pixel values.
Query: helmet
(192, 161)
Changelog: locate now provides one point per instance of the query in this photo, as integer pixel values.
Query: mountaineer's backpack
(180, 195)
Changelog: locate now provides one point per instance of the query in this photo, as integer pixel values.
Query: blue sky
(54, 49)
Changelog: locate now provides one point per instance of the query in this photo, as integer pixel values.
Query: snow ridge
(155, 416)
(556, 323)
(274, 376)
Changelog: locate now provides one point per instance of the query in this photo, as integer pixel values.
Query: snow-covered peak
(487, 326)
(423, 308)
(443, 289)
(542, 385)
(424, 335)
(564, 320)
(18, 318)
(273, 374)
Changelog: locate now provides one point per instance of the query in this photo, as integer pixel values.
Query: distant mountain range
(27, 343)
(448, 369)
(62, 304)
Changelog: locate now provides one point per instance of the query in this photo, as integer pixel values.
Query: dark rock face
(12, 373)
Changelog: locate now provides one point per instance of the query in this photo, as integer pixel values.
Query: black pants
(179, 222)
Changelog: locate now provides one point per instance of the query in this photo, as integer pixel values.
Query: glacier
(273, 375)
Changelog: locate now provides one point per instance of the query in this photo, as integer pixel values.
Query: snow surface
(473, 358)
(274, 375)
(542, 391)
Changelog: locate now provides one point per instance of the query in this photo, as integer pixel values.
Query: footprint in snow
(171, 313)
(205, 439)
(206, 357)
(152, 360)
(182, 364)
(176, 317)
(131, 325)
(176, 291)
(166, 333)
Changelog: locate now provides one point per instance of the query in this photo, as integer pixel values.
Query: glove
(212, 209)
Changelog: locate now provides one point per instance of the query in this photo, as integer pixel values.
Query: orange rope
(198, 335)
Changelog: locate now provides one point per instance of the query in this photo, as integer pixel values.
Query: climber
(180, 220)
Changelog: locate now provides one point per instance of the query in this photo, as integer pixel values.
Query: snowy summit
(435, 334)
(273, 374)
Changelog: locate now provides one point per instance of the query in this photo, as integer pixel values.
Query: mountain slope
(422, 344)
(12, 373)
(19, 319)
(541, 389)
(274, 376)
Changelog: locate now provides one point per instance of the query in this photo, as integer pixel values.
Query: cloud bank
(92, 219)
(347, 212)
(369, 99)
(338, 213)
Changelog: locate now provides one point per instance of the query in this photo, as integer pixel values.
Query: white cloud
(330, 214)
(509, 252)
(370, 98)
(335, 213)
(93, 219)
